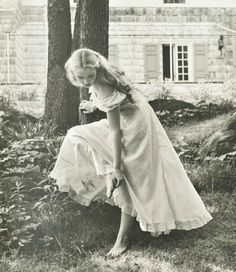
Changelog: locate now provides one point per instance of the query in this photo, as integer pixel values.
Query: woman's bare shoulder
(105, 91)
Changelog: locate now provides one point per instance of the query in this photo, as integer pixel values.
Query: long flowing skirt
(157, 190)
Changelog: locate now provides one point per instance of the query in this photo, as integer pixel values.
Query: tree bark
(91, 31)
(62, 99)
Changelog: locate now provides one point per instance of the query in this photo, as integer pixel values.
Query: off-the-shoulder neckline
(92, 90)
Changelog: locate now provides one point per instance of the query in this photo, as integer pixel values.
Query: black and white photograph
(117, 136)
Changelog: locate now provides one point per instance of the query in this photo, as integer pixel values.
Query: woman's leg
(123, 238)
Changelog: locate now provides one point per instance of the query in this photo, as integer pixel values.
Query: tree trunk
(91, 31)
(222, 141)
(62, 99)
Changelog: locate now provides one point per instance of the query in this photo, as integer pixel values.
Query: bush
(23, 92)
(29, 130)
(182, 112)
(7, 103)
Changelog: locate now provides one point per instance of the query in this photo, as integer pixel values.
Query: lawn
(211, 248)
(83, 239)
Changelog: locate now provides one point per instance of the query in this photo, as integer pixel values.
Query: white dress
(157, 190)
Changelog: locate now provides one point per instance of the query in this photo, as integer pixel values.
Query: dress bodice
(115, 99)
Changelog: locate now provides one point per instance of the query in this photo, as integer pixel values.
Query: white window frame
(175, 2)
(190, 62)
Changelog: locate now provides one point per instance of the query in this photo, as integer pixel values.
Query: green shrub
(7, 103)
(29, 130)
(202, 112)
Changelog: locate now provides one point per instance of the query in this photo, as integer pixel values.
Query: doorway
(166, 61)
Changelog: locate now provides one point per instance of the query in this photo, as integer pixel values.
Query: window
(182, 63)
(174, 1)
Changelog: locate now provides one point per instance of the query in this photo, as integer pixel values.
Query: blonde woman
(126, 159)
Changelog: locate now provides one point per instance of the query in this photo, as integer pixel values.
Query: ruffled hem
(68, 178)
(156, 229)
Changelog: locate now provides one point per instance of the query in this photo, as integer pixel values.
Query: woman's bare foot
(122, 244)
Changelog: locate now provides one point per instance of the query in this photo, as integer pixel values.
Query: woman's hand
(117, 177)
(86, 106)
(116, 180)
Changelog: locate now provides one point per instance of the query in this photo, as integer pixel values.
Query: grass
(195, 132)
(208, 249)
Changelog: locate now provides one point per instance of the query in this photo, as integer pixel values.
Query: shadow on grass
(208, 249)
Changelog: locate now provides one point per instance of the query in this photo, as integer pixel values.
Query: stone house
(150, 40)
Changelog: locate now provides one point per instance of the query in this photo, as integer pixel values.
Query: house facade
(150, 40)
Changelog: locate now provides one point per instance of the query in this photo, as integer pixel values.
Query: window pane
(179, 48)
(185, 63)
(180, 77)
(186, 70)
(179, 55)
(185, 55)
(174, 1)
(185, 48)
(180, 63)
(180, 70)
(185, 77)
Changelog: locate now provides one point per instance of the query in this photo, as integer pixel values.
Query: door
(166, 62)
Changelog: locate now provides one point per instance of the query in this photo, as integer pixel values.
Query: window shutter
(200, 61)
(113, 54)
(234, 51)
(151, 62)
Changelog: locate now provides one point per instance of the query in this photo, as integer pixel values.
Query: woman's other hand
(86, 106)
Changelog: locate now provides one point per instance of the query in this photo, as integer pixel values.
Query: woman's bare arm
(113, 118)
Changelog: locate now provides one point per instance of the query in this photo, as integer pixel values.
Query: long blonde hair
(84, 58)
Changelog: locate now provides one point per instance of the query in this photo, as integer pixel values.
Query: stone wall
(10, 19)
(176, 14)
(130, 29)
(27, 44)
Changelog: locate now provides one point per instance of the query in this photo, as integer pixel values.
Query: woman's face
(86, 76)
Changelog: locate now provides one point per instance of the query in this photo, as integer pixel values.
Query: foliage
(15, 217)
(203, 91)
(212, 175)
(24, 92)
(29, 130)
(7, 103)
(202, 111)
(23, 164)
(23, 156)
(35, 217)
(157, 89)
(206, 249)
(213, 93)
(195, 133)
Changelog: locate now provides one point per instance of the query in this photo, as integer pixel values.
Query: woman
(127, 159)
